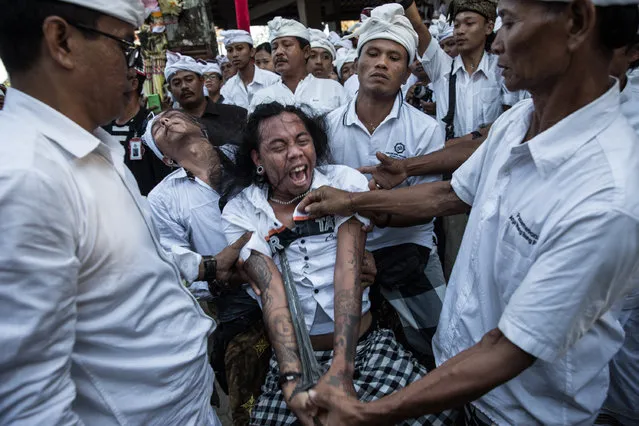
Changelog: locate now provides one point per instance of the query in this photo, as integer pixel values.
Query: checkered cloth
(382, 367)
(418, 299)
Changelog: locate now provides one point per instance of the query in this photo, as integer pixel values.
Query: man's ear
(60, 41)
(255, 157)
(307, 52)
(581, 23)
(253, 53)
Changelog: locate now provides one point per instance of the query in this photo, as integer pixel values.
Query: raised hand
(387, 174)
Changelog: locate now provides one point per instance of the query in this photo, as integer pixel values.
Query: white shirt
(187, 214)
(406, 132)
(96, 327)
(410, 82)
(311, 259)
(236, 93)
(318, 95)
(352, 86)
(630, 103)
(551, 245)
(479, 96)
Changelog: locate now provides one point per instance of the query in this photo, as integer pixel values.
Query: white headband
(319, 40)
(211, 68)
(388, 22)
(442, 28)
(344, 56)
(148, 140)
(177, 62)
(221, 60)
(129, 11)
(280, 27)
(236, 36)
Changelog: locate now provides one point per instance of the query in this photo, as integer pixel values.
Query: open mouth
(299, 175)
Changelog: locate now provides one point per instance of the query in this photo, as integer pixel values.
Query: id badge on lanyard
(136, 150)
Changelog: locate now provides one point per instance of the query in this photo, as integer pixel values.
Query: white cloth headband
(388, 22)
(129, 11)
(281, 27)
(319, 40)
(211, 68)
(148, 140)
(177, 62)
(236, 36)
(443, 28)
(344, 56)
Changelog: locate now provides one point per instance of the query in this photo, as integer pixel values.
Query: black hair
(303, 42)
(633, 45)
(245, 171)
(21, 28)
(617, 25)
(265, 47)
(141, 79)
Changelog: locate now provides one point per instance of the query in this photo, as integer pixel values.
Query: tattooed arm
(277, 317)
(348, 304)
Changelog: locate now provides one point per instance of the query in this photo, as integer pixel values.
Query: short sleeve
(435, 61)
(239, 216)
(349, 179)
(430, 140)
(571, 285)
(467, 177)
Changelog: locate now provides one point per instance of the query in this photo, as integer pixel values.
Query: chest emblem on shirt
(400, 148)
(523, 229)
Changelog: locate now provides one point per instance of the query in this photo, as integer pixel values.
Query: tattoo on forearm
(277, 316)
(348, 299)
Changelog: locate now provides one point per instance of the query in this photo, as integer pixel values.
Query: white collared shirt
(352, 86)
(551, 247)
(236, 93)
(318, 95)
(405, 133)
(187, 214)
(96, 326)
(480, 96)
(312, 259)
(630, 103)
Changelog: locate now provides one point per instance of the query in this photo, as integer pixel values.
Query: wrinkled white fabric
(388, 22)
(148, 140)
(319, 40)
(177, 62)
(129, 11)
(211, 68)
(282, 27)
(230, 37)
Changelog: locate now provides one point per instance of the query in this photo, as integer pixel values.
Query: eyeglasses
(211, 77)
(130, 50)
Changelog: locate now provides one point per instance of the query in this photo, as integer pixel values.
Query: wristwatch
(210, 268)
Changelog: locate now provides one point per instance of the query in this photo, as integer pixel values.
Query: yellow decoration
(261, 346)
(170, 7)
(248, 405)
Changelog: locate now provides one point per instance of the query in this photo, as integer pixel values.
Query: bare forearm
(277, 316)
(412, 205)
(412, 13)
(348, 295)
(464, 378)
(444, 161)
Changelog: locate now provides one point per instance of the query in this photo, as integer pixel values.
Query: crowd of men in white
(539, 321)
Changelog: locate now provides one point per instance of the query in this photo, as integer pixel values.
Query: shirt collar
(484, 64)
(350, 115)
(55, 125)
(260, 76)
(556, 145)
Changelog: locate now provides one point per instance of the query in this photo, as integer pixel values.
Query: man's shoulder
(23, 144)
(417, 118)
(336, 117)
(229, 109)
(266, 76)
(329, 84)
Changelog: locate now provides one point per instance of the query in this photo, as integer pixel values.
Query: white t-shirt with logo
(405, 133)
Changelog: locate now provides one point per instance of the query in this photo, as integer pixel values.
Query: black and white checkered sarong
(382, 367)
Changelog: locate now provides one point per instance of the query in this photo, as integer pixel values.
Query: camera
(423, 93)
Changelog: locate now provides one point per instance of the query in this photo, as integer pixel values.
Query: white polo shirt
(405, 133)
(479, 97)
(97, 327)
(318, 95)
(236, 93)
(551, 246)
(630, 103)
(311, 259)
